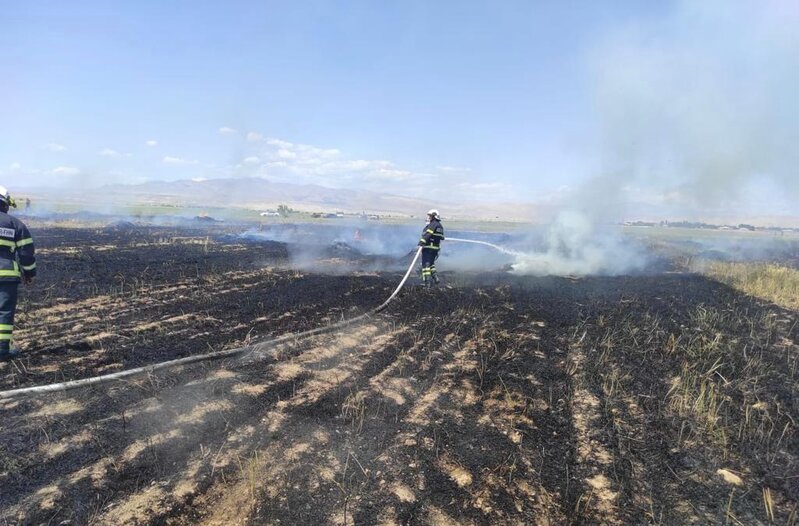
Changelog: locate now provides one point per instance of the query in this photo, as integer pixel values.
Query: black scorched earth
(498, 399)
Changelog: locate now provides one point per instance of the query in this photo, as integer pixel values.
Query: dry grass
(764, 280)
(725, 373)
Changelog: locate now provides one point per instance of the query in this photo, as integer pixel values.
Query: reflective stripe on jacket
(17, 253)
(432, 235)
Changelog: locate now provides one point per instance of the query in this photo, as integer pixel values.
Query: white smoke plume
(696, 106)
(577, 247)
(702, 101)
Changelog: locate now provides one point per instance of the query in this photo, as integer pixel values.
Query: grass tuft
(767, 281)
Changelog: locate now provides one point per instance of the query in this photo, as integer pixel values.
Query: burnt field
(495, 399)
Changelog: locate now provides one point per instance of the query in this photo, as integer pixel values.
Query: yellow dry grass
(768, 281)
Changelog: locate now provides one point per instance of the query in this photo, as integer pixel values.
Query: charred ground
(667, 399)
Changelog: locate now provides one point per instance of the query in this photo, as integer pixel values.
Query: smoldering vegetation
(506, 399)
(339, 248)
(574, 246)
(364, 246)
(113, 217)
(569, 247)
(741, 249)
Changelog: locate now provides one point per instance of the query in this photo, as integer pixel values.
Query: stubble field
(496, 399)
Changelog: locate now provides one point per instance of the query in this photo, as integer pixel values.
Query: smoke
(467, 257)
(695, 107)
(702, 102)
(368, 238)
(572, 247)
(340, 248)
(575, 246)
(742, 247)
(363, 246)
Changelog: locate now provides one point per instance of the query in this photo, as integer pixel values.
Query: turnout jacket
(432, 235)
(17, 254)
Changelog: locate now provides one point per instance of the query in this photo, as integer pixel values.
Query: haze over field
(577, 117)
(682, 106)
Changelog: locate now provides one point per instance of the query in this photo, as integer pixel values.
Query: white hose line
(404, 279)
(216, 355)
(486, 243)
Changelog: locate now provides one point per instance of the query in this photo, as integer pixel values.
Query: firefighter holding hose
(17, 262)
(432, 236)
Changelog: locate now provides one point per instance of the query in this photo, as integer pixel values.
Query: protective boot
(435, 279)
(9, 354)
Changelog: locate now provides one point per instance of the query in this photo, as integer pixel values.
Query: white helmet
(5, 197)
(433, 212)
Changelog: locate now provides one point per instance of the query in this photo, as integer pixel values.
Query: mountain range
(262, 194)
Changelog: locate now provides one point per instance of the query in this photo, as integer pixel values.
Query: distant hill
(261, 194)
(258, 194)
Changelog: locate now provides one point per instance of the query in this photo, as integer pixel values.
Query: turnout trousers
(8, 306)
(429, 257)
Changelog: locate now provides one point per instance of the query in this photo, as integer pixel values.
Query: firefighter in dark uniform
(17, 262)
(432, 235)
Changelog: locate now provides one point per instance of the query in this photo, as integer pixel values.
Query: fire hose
(486, 243)
(216, 355)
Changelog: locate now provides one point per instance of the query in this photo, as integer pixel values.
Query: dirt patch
(57, 409)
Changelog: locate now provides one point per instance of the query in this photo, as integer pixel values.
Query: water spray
(486, 243)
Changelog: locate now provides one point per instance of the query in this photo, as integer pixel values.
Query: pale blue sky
(494, 100)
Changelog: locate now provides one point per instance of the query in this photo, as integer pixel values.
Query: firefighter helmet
(433, 213)
(5, 197)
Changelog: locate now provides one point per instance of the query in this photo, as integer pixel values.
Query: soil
(494, 399)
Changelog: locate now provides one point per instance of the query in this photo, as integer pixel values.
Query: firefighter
(432, 235)
(17, 262)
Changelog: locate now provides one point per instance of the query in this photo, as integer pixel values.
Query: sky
(463, 100)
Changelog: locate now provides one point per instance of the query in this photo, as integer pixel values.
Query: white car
(270, 214)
